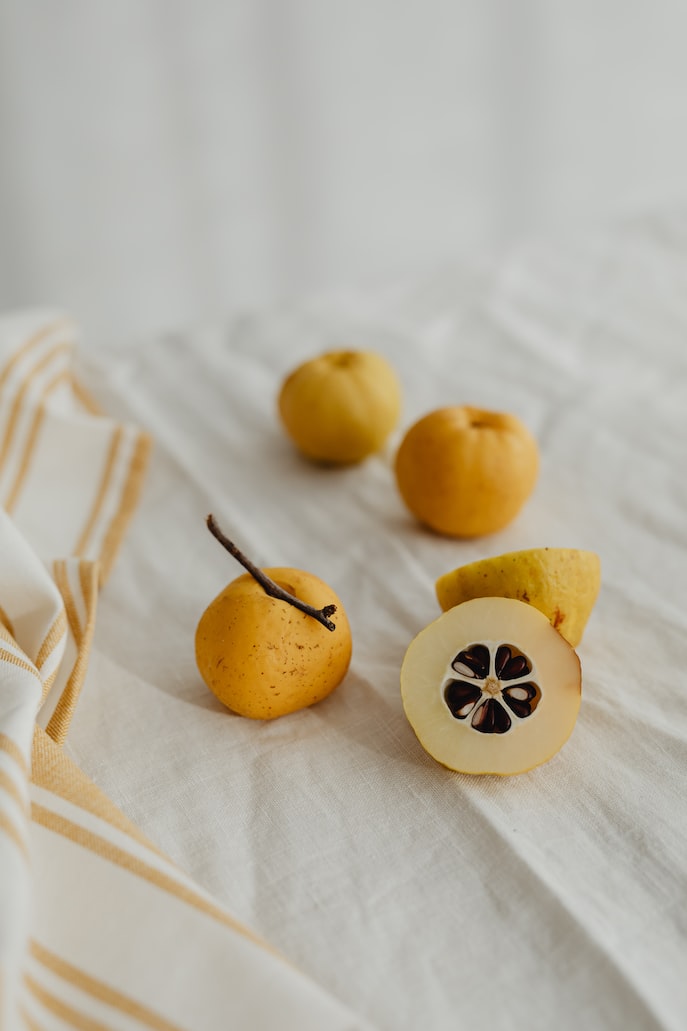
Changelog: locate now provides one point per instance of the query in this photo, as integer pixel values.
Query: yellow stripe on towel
(99, 990)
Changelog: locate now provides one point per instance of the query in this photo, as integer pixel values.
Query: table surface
(417, 896)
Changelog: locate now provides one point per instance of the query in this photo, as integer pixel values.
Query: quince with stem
(266, 646)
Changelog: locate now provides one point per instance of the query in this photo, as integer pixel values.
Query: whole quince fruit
(341, 406)
(465, 472)
(266, 645)
(563, 583)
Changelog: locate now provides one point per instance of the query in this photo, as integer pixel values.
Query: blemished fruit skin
(341, 406)
(532, 738)
(563, 583)
(264, 658)
(465, 472)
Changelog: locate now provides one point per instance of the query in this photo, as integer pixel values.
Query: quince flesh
(563, 583)
(464, 471)
(491, 687)
(341, 406)
(264, 658)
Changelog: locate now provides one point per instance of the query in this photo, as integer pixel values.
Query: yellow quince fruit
(341, 406)
(266, 645)
(464, 471)
(563, 583)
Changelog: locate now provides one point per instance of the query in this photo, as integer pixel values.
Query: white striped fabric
(45, 415)
(98, 930)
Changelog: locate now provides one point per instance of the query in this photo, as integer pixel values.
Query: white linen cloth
(97, 929)
(418, 897)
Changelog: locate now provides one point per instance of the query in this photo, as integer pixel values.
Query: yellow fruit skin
(341, 406)
(466, 472)
(262, 657)
(563, 583)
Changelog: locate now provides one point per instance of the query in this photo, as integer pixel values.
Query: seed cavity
(509, 666)
(488, 678)
(491, 718)
(476, 659)
(461, 698)
(522, 700)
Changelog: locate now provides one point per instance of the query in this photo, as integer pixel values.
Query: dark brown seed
(464, 670)
(523, 699)
(517, 666)
(476, 658)
(503, 654)
(491, 718)
(461, 697)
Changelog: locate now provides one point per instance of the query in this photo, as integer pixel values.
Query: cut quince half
(563, 583)
(491, 687)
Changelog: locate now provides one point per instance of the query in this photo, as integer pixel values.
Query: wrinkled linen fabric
(98, 929)
(415, 896)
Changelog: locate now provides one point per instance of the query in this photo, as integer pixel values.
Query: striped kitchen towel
(98, 930)
(78, 507)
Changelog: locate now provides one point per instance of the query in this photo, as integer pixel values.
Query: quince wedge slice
(563, 583)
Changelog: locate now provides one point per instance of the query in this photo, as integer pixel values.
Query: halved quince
(563, 583)
(491, 687)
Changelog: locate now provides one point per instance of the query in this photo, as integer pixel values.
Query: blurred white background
(164, 162)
